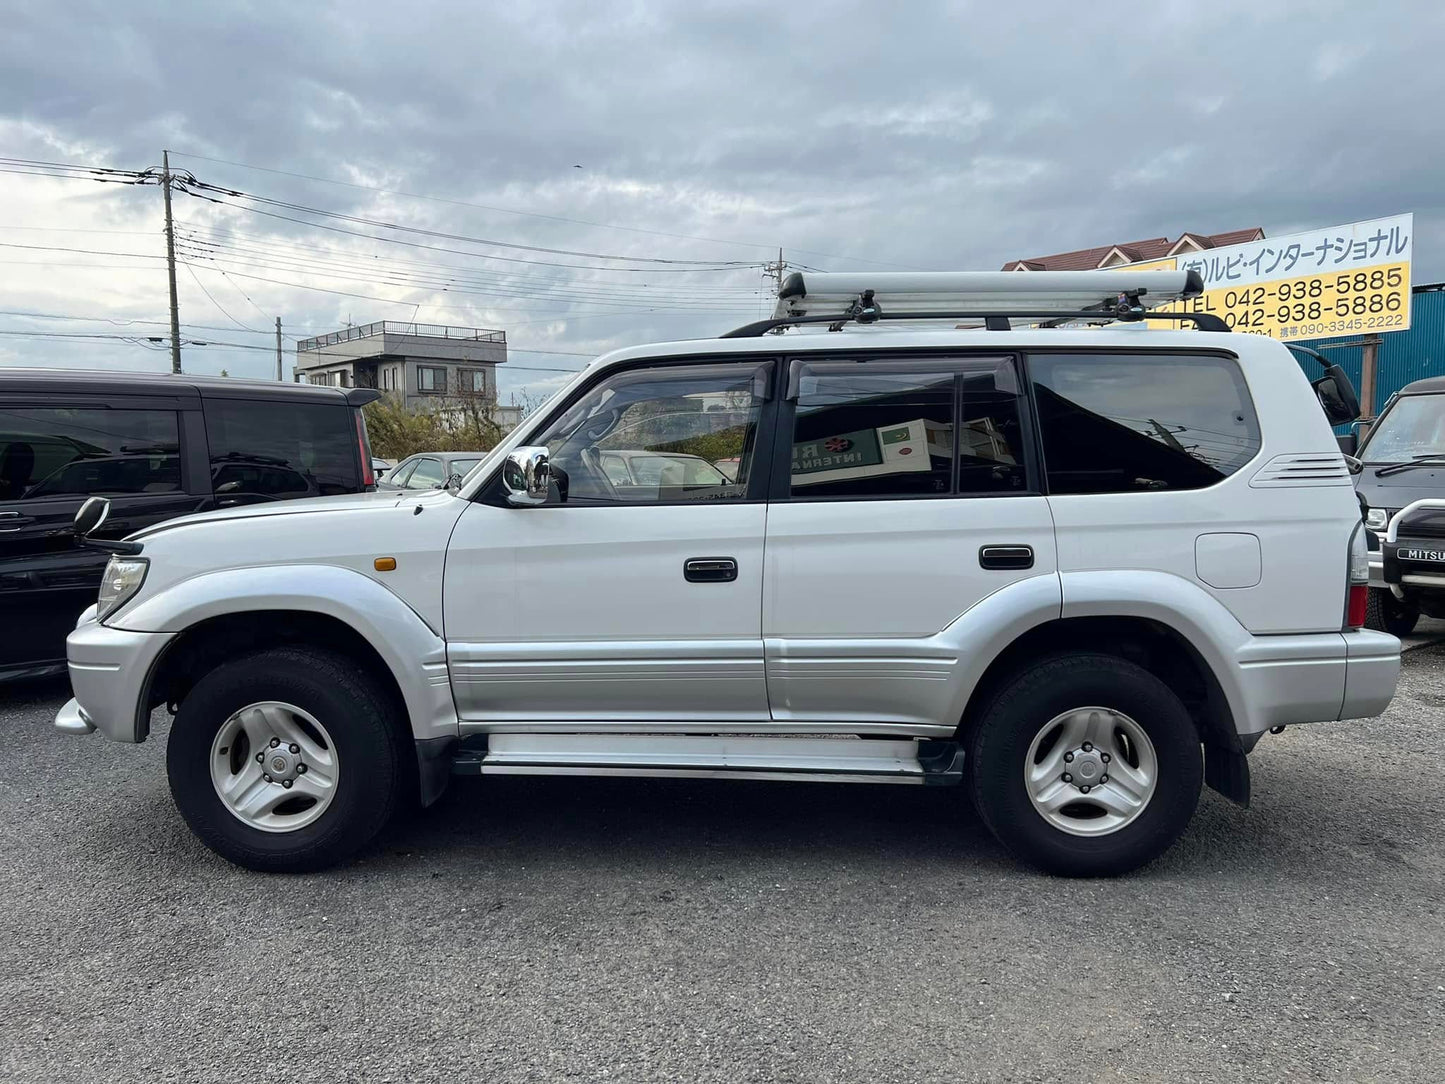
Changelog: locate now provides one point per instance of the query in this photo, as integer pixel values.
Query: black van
(158, 447)
(1404, 462)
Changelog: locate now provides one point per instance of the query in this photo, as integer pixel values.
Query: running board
(836, 760)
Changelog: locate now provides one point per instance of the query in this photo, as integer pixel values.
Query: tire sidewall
(1021, 710)
(364, 749)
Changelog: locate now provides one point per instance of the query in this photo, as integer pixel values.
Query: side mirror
(526, 474)
(1337, 396)
(91, 515)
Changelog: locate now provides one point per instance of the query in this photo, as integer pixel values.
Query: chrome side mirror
(90, 516)
(526, 474)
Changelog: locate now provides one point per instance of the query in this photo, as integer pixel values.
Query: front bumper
(1316, 677)
(109, 672)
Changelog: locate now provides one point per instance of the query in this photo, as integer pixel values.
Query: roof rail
(994, 297)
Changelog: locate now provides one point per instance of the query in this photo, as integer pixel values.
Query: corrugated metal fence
(1404, 355)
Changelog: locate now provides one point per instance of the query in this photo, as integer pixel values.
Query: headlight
(1377, 519)
(122, 579)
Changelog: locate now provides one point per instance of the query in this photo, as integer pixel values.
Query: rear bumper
(1316, 677)
(108, 673)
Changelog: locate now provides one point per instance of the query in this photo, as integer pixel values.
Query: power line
(214, 302)
(96, 338)
(533, 214)
(443, 235)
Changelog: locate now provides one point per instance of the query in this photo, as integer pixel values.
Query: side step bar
(847, 760)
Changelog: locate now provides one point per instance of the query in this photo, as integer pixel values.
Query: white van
(1076, 571)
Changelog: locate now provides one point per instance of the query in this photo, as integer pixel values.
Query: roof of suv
(111, 382)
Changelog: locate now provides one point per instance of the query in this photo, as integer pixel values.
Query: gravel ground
(540, 929)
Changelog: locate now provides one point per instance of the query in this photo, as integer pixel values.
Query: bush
(450, 425)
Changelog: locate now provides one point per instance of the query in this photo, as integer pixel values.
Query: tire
(1385, 613)
(351, 754)
(1104, 695)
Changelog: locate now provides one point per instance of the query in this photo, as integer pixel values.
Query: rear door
(54, 455)
(906, 492)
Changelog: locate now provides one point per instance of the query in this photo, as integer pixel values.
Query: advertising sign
(865, 453)
(1343, 280)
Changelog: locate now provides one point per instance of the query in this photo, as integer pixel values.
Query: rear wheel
(1385, 613)
(1086, 765)
(285, 761)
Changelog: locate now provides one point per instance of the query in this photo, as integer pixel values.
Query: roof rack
(994, 297)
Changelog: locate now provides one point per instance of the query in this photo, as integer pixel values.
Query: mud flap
(1227, 771)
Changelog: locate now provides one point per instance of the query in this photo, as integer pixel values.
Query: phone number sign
(1344, 280)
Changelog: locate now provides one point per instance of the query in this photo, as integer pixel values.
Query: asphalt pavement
(649, 930)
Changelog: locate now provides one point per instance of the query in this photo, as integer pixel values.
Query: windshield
(1413, 427)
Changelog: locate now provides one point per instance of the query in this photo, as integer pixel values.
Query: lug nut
(1103, 779)
(275, 742)
(260, 758)
(1104, 757)
(287, 784)
(300, 769)
(1088, 747)
(1084, 789)
(1068, 778)
(268, 778)
(294, 747)
(1068, 758)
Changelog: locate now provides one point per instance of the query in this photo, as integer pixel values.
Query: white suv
(1076, 570)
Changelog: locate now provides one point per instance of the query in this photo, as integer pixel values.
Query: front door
(51, 459)
(911, 496)
(634, 594)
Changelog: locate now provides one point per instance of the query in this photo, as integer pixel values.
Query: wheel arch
(337, 605)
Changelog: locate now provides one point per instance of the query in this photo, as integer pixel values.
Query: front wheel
(1385, 613)
(285, 761)
(1086, 765)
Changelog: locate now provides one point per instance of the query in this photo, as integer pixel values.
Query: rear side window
(1124, 423)
(276, 450)
(58, 452)
(897, 429)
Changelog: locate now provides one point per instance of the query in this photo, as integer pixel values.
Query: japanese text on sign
(1338, 281)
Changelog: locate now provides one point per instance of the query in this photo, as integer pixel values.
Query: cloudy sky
(565, 150)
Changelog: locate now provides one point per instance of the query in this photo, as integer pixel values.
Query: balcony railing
(397, 327)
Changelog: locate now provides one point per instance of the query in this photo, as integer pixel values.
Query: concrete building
(421, 364)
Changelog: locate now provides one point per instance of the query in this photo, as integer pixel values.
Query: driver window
(659, 435)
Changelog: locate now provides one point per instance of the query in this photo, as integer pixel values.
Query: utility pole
(278, 349)
(776, 271)
(171, 263)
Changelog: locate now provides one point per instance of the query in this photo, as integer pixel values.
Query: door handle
(13, 521)
(1006, 557)
(710, 570)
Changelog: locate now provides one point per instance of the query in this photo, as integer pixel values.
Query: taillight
(368, 475)
(1359, 585)
(1359, 595)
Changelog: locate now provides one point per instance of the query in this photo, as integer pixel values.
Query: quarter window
(54, 452)
(272, 449)
(1140, 422)
(653, 435)
(906, 429)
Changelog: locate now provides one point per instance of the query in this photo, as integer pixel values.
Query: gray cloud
(938, 135)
